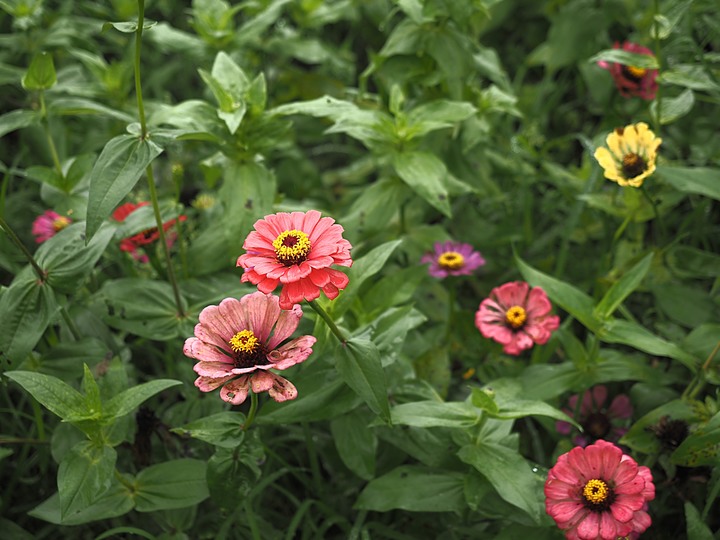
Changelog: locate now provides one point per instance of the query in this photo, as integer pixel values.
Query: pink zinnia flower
(48, 224)
(598, 421)
(452, 259)
(516, 317)
(132, 244)
(633, 80)
(599, 493)
(239, 341)
(296, 250)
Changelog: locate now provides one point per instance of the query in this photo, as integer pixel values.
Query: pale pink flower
(48, 224)
(239, 341)
(516, 317)
(452, 259)
(599, 493)
(633, 80)
(296, 251)
(597, 420)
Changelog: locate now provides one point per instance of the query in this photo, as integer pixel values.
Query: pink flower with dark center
(597, 420)
(296, 251)
(48, 224)
(452, 259)
(517, 317)
(633, 80)
(237, 342)
(599, 493)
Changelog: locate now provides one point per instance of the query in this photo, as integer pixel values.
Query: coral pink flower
(598, 421)
(633, 80)
(296, 250)
(48, 224)
(452, 259)
(599, 493)
(239, 341)
(132, 244)
(516, 317)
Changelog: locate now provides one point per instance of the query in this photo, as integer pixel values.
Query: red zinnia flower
(633, 80)
(599, 493)
(296, 250)
(48, 224)
(517, 317)
(148, 236)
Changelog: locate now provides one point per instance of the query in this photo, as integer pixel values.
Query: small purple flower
(452, 259)
(597, 421)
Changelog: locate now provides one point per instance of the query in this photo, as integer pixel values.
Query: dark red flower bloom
(633, 80)
(148, 236)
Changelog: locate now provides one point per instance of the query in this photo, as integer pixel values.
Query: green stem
(70, 323)
(312, 455)
(48, 135)
(451, 309)
(331, 324)
(658, 96)
(698, 382)
(15, 240)
(660, 223)
(138, 85)
(252, 412)
(39, 423)
(252, 522)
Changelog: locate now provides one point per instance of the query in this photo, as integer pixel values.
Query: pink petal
(620, 407)
(589, 528)
(538, 304)
(199, 350)
(282, 389)
(213, 370)
(511, 294)
(608, 529)
(293, 352)
(287, 323)
(207, 384)
(262, 381)
(235, 392)
(261, 312)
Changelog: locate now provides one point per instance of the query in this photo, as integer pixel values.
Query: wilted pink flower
(239, 341)
(48, 224)
(517, 317)
(452, 259)
(296, 251)
(599, 493)
(633, 80)
(598, 421)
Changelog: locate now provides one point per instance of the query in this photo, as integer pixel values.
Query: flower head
(48, 224)
(296, 251)
(237, 342)
(633, 80)
(452, 259)
(132, 244)
(630, 155)
(597, 420)
(516, 316)
(597, 492)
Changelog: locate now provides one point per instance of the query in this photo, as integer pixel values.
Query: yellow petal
(613, 142)
(630, 140)
(606, 161)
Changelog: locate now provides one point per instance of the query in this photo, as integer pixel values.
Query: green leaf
(129, 27)
(177, 483)
(484, 399)
(674, 108)
(438, 114)
(435, 414)
(130, 399)
(232, 473)
(695, 180)
(686, 261)
(84, 474)
(120, 165)
(359, 365)
(622, 288)
(689, 306)
(15, 120)
(223, 429)
(74, 106)
(691, 76)
(618, 56)
(92, 393)
(509, 474)
(575, 302)
(356, 443)
(57, 396)
(702, 446)
(415, 489)
(41, 73)
(426, 174)
(696, 528)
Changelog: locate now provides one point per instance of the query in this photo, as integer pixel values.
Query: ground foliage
(409, 122)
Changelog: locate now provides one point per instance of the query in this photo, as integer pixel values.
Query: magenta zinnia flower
(48, 224)
(517, 317)
(599, 493)
(633, 80)
(452, 259)
(296, 250)
(598, 421)
(239, 341)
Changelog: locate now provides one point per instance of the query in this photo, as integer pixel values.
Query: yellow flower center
(60, 223)
(516, 316)
(244, 342)
(596, 491)
(451, 260)
(291, 247)
(633, 165)
(635, 71)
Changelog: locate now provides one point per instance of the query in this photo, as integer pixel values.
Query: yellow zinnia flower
(630, 155)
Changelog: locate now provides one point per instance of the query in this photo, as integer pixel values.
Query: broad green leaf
(84, 474)
(702, 446)
(223, 429)
(438, 114)
(697, 529)
(230, 76)
(355, 443)
(674, 108)
(509, 474)
(129, 27)
(130, 399)
(92, 393)
(74, 106)
(692, 76)
(426, 175)
(688, 306)
(642, 439)
(57, 396)
(177, 483)
(435, 414)
(622, 288)
(358, 363)
(328, 106)
(574, 349)
(15, 120)
(686, 261)
(254, 27)
(41, 73)
(484, 399)
(618, 56)
(233, 472)
(505, 393)
(415, 489)
(696, 180)
(575, 302)
(117, 170)
(433, 366)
